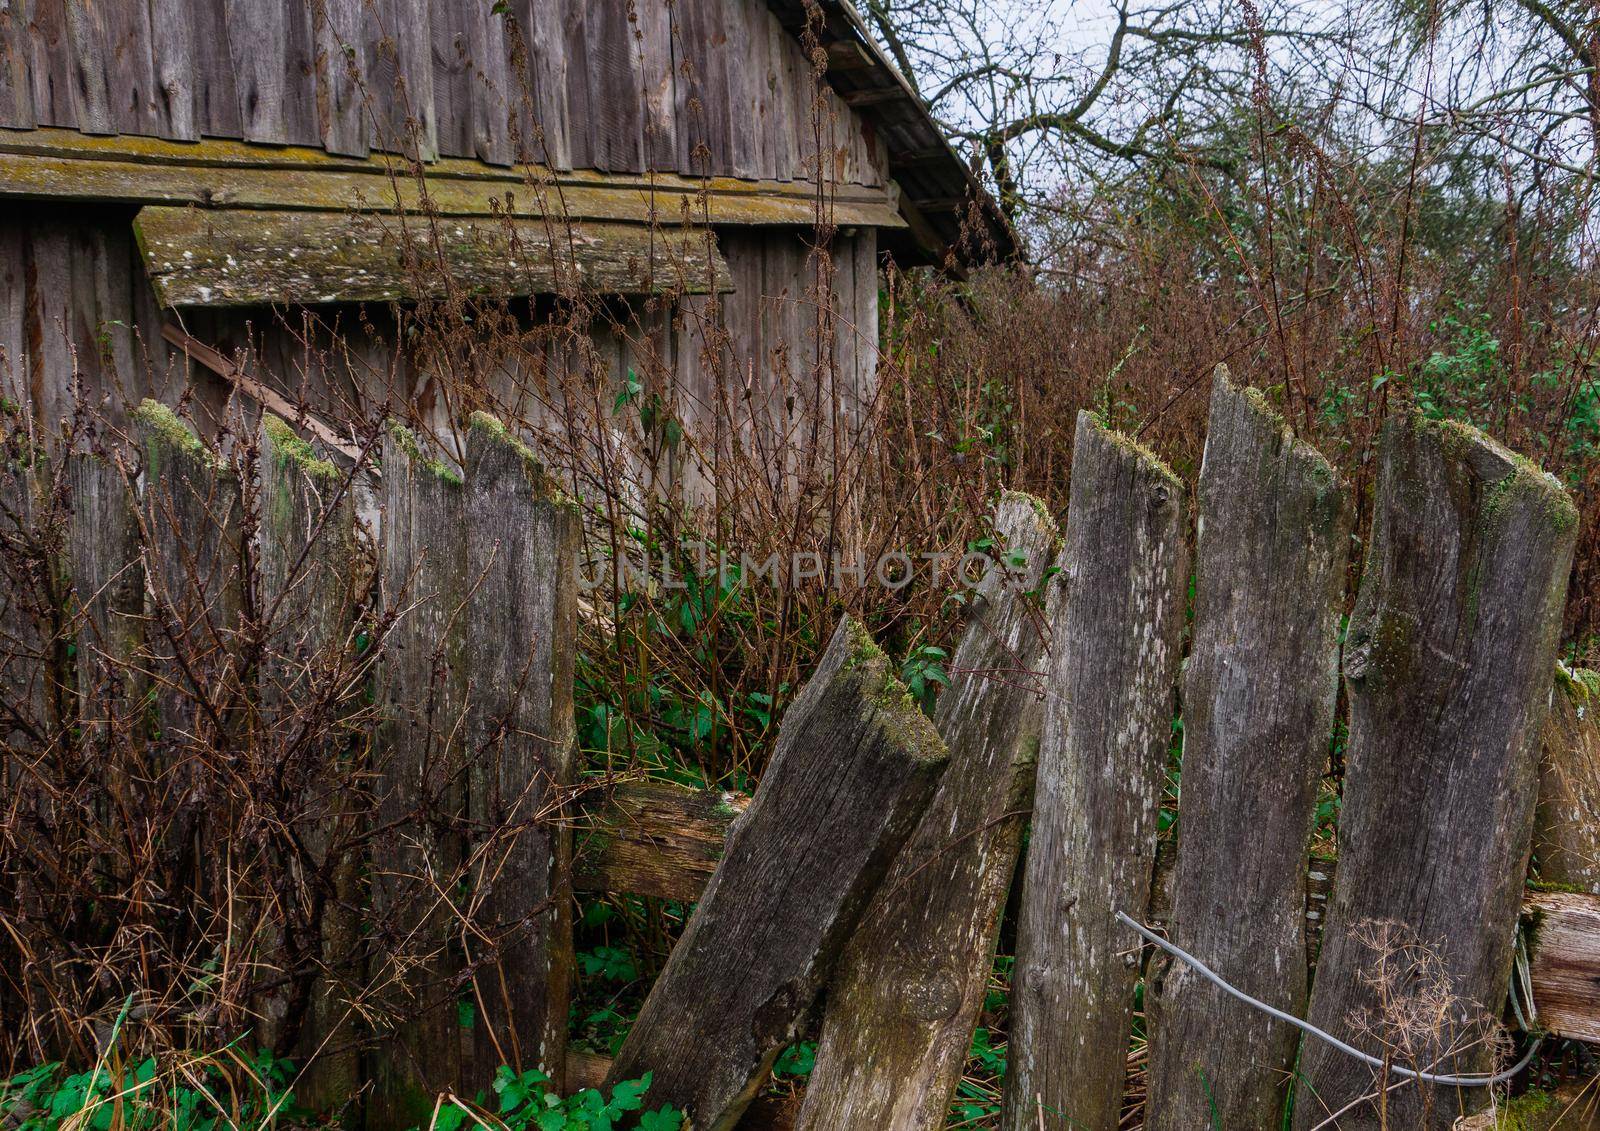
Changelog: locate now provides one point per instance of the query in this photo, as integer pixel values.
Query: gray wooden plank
(539, 84)
(659, 85)
(616, 90)
(493, 91)
(1259, 691)
(342, 110)
(451, 54)
(1447, 662)
(581, 110)
(172, 32)
(901, 1008)
(16, 51)
(51, 67)
(855, 766)
(520, 733)
(1102, 758)
(418, 785)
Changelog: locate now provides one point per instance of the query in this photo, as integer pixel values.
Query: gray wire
(1475, 1081)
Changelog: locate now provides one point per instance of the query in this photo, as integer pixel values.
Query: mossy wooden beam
(1110, 694)
(1259, 691)
(855, 766)
(53, 164)
(1448, 660)
(236, 257)
(903, 1004)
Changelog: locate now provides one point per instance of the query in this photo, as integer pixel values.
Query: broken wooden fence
(882, 899)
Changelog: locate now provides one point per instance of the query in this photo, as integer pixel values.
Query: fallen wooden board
(664, 840)
(240, 257)
(52, 164)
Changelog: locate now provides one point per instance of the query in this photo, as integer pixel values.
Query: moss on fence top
(291, 449)
(1136, 449)
(412, 447)
(1525, 478)
(898, 712)
(163, 424)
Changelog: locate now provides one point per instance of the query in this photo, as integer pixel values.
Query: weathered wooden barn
(234, 198)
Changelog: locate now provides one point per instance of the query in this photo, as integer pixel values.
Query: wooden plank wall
(76, 305)
(569, 83)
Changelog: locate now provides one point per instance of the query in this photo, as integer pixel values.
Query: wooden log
(855, 766)
(1564, 933)
(420, 795)
(1103, 753)
(651, 838)
(902, 1006)
(522, 552)
(1566, 842)
(312, 581)
(1448, 660)
(237, 257)
(1259, 692)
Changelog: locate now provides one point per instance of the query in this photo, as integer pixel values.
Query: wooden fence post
(1259, 692)
(855, 766)
(901, 1008)
(192, 536)
(312, 580)
(1448, 661)
(1566, 842)
(1107, 725)
(418, 776)
(522, 551)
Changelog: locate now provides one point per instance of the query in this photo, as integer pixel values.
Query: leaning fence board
(419, 791)
(1107, 723)
(1259, 691)
(1447, 660)
(855, 766)
(902, 1006)
(522, 551)
(1566, 842)
(312, 581)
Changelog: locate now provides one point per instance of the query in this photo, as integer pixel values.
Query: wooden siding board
(658, 72)
(580, 110)
(616, 90)
(451, 55)
(490, 92)
(16, 88)
(341, 101)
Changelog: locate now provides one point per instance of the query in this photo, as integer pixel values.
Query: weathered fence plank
(522, 551)
(194, 571)
(108, 583)
(1259, 692)
(855, 766)
(1107, 724)
(1448, 660)
(418, 779)
(311, 582)
(902, 1006)
(1566, 842)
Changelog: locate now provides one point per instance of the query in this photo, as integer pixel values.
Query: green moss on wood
(1133, 447)
(1041, 512)
(897, 711)
(165, 427)
(293, 451)
(413, 449)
